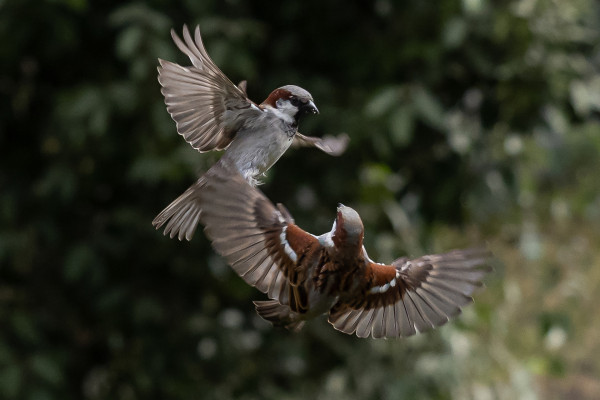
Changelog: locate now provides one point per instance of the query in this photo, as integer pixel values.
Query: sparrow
(305, 275)
(212, 113)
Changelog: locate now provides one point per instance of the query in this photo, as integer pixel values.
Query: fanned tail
(278, 314)
(183, 214)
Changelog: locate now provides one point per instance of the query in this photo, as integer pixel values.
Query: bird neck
(284, 115)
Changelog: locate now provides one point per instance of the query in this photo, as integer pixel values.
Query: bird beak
(310, 108)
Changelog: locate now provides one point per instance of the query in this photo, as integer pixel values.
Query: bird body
(306, 275)
(212, 113)
(260, 144)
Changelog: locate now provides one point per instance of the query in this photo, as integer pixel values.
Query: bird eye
(294, 101)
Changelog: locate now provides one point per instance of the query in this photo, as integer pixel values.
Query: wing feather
(260, 241)
(411, 296)
(199, 97)
(332, 145)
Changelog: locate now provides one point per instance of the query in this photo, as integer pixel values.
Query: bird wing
(411, 296)
(259, 240)
(206, 106)
(332, 145)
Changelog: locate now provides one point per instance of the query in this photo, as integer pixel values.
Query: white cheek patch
(371, 261)
(285, 111)
(327, 240)
(286, 246)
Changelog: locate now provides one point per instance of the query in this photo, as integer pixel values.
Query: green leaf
(46, 368)
(381, 103)
(428, 107)
(11, 378)
(401, 125)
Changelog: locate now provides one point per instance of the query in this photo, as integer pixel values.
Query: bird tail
(279, 314)
(183, 214)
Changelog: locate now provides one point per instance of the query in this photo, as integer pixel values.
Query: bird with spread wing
(212, 113)
(306, 275)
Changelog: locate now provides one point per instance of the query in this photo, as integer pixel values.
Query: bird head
(291, 103)
(348, 230)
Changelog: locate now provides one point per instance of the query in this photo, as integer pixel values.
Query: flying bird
(306, 275)
(212, 113)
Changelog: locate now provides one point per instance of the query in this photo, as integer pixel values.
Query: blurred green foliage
(471, 121)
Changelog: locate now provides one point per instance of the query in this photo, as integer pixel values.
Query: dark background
(471, 122)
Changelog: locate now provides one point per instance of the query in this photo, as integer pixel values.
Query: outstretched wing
(206, 106)
(411, 296)
(260, 241)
